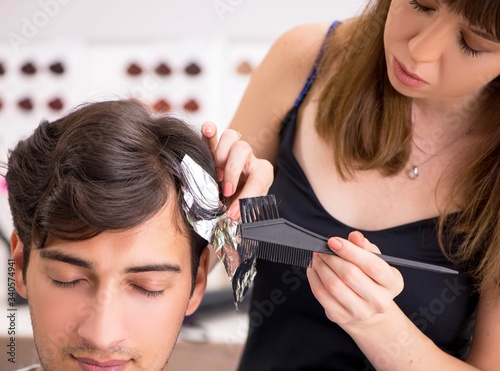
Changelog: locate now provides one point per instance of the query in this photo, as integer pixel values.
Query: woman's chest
(370, 200)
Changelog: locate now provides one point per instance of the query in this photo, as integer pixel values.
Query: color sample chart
(195, 79)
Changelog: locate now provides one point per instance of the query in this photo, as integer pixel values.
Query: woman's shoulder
(304, 35)
(307, 39)
(298, 47)
(276, 84)
(296, 50)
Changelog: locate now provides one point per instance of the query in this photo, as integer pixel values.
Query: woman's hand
(355, 286)
(241, 173)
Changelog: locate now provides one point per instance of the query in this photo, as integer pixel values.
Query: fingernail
(335, 243)
(209, 131)
(220, 174)
(228, 189)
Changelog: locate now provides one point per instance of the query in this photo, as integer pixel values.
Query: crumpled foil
(202, 192)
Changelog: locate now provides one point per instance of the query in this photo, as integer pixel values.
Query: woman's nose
(429, 43)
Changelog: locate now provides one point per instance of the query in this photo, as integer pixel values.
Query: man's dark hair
(105, 166)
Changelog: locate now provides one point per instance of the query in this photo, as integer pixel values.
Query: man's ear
(200, 284)
(16, 252)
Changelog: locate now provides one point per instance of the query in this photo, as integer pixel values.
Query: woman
(392, 144)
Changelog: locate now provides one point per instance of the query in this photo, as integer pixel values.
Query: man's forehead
(160, 243)
(168, 221)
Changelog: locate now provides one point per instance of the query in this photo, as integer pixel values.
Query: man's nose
(105, 324)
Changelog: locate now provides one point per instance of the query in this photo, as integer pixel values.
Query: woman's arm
(485, 350)
(275, 85)
(357, 290)
(243, 165)
(395, 343)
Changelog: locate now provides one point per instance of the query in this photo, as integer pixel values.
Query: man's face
(114, 302)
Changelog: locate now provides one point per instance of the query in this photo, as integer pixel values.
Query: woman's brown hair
(368, 124)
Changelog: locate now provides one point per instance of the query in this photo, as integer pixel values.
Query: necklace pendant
(414, 172)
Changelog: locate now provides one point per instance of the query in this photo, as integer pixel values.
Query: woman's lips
(405, 77)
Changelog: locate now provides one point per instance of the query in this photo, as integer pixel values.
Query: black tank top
(288, 327)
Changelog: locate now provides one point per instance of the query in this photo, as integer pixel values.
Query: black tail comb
(281, 241)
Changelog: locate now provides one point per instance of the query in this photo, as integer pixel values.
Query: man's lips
(91, 364)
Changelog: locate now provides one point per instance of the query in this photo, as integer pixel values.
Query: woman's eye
(466, 48)
(148, 293)
(419, 7)
(463, 44)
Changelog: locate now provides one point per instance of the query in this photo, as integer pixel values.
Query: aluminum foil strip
(201, 193)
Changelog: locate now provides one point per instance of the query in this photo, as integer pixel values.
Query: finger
(332, 289)
(358, 239)
(228, 138)
(209, 132)
(238, 163)
(376, 298)
(369, 263)
(259, 177)
(335, 311)
(258, 182)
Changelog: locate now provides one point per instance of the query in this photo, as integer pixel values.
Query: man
(103, 250)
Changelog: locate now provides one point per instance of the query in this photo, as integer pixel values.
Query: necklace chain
(414, 171)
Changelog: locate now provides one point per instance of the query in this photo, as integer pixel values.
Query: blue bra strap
(314, 71)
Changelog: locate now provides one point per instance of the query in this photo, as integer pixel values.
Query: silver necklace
(414, 171)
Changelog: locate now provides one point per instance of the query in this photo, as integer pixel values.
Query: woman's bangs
(484, 14)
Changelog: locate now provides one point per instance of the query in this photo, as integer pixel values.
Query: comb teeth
(284, 254)
(248, 249)
(254, 209)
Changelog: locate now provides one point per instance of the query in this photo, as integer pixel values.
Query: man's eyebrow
(62, 257)
(154, 268)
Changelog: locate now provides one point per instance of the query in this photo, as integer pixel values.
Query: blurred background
(190, 58)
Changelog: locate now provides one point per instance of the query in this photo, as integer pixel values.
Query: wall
(97, 40)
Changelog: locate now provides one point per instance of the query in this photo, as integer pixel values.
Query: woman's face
(433, 53)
